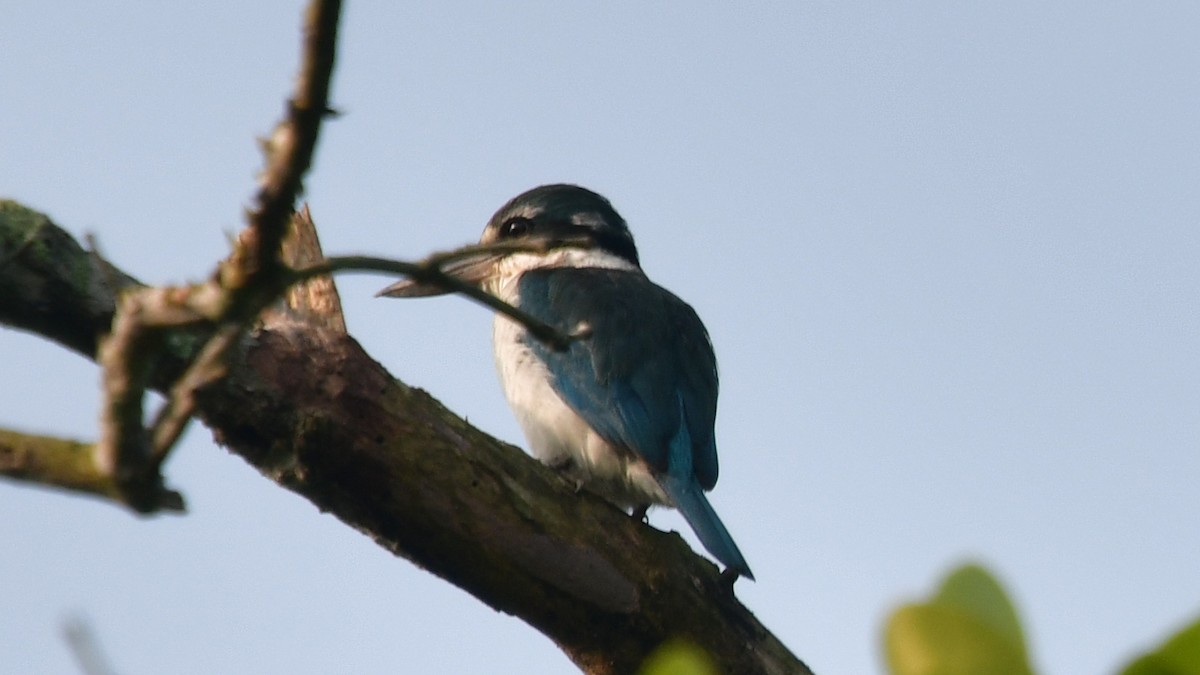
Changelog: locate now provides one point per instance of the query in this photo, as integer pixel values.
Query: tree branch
(303, 404)
(65, 464)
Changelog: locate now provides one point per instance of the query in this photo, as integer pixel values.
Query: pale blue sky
(947, 253)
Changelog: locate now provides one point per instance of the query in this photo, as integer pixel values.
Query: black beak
(473, 270)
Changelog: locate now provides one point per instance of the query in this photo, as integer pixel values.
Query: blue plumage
(637, 362)
(644, 377)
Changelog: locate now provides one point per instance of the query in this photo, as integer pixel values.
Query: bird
(627, 409)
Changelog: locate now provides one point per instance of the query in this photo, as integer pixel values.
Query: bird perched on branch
(627, 408)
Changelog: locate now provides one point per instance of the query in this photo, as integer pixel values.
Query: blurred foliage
(678, 657)
(1179, 655)
(970, 627)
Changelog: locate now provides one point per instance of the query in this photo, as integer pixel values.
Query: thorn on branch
(315, 300)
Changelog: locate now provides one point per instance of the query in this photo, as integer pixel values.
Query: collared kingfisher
(627, 409)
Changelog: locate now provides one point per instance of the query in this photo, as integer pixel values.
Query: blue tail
(694, 506)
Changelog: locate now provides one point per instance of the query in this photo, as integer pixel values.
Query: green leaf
(678, 657)
(1179, 655)
(968, 626)
(973, 590)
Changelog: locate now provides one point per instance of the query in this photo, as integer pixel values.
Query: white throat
(502, 283)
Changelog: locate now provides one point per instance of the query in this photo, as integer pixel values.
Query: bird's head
(549, 226)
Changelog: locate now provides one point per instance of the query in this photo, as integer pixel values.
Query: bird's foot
(728, 577)
(565, 467)
(639, 513)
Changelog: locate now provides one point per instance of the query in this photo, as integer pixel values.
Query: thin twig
(239, 290)
(430, 271)
(431, 275)
(127, 356)
(122, 447)
(174, 415)
(84, 646)
(290, 148)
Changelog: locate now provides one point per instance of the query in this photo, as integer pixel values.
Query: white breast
(557, 435)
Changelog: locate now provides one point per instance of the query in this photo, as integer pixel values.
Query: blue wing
(644, 378)
(645, 372)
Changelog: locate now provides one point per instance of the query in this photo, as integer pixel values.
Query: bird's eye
(515, 227)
